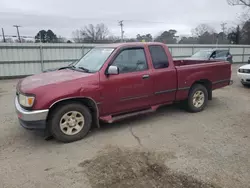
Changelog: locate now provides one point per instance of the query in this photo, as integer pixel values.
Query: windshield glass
(94, 59)
(202, 54)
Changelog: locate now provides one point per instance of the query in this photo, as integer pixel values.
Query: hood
(245, 66)
(48, 78)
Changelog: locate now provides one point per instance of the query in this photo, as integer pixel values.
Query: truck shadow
(170, 111)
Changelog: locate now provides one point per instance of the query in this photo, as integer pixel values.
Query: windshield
(94, 59)
(202, 54)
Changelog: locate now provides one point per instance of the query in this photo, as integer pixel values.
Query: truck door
(132, 88)
(163, 75)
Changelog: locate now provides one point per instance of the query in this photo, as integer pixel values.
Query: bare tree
(205, 34)
(202, 29)
(91, 33)
(101, 31)
(77, 37)
(239, 2)
(96, 33)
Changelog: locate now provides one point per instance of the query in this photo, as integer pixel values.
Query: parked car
(113, 82)
(244, 74)
(213, 54)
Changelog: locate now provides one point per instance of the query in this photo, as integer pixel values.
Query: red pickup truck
(113, 82)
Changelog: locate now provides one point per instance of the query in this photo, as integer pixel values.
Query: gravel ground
(170, 148)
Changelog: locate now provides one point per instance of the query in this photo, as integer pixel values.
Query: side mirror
(113, 70)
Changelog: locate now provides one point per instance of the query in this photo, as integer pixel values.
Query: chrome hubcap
(71, 123)
(198, 99)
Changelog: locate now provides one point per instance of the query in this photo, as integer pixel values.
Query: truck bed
(216, 74)
(191, 62)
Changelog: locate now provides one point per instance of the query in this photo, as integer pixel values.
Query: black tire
(190, 105)
(57, 114)
(245, 85)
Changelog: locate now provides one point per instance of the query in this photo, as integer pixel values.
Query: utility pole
(4, 40)
(122, 32)
(17, 28)
(223, 27)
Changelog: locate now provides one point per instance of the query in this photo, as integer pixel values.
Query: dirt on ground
(122, 168)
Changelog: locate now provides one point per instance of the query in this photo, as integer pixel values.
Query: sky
(140, 16)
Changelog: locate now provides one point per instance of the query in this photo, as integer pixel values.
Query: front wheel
(197, 98)
(245, 85)
(70, 122)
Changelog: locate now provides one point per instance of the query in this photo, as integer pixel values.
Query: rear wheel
(197, 99)
(70, 122)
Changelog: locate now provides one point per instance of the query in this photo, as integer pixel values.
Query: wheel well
(207, 84)
(91, 104)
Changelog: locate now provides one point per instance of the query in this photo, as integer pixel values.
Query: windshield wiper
(67, 67)
(82, 68)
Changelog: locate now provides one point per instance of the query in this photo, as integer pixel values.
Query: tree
(188, 40)
(113, 39)
(41, 36)
(167, 37)
(222, 38)
(245, 33)
(91, 34)
(50, 36)
(61, 39)
(201, 30)
(234, 35)
(146, 38)
(29, 41)
(46, 36)
(205, 34)
(239, 2)
(77, 37)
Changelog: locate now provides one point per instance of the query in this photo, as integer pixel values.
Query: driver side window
(131, 60)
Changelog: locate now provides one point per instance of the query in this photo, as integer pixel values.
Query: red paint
(126, 92)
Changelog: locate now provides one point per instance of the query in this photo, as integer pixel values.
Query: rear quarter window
(159, 56)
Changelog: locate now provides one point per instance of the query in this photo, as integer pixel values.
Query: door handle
(146, 76)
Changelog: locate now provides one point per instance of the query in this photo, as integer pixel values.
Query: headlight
(26, 101)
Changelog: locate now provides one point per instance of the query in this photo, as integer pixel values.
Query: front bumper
(244, 77)
(35, 119)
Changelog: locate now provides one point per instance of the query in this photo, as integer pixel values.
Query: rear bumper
(35, 119)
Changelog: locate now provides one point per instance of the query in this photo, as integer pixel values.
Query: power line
(17, 28)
